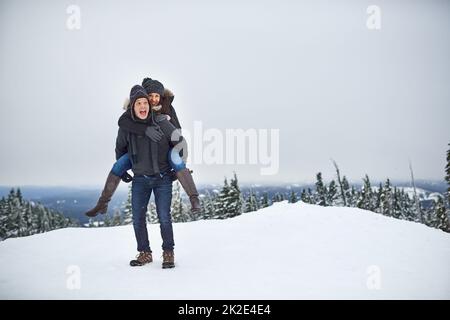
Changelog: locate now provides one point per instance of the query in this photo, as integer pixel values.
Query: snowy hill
(286, 251)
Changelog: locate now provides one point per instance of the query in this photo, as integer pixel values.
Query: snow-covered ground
(286, 251)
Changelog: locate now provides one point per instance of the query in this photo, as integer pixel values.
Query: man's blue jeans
(123, 164)
(141, 191)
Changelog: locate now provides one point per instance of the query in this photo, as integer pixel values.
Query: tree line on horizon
(19, 217)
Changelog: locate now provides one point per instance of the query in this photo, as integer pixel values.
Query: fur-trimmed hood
(166, 98)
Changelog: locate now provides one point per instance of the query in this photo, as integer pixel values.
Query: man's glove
(126, 177)
(154, 133)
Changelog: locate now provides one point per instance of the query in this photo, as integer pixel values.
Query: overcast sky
(370, 99)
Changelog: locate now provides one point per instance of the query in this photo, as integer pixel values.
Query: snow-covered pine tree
(387, 199)
(406, 212)
(251, 202)
(277, 197)
(3, 219)
(229, 201)
(396, 209)
(179, 211)
(321, 191)
(347, 196)
(447, 175)
(247, 203)
(332, 194)
(35, 218)
(366, 199)
(127, 209)
(428, 216)
(354, 196)
(28, 218)
(236, 201)
(304, 196)
(442, 217)
(378, 196)
(418, 207)
(20, 219)
(117, 218)
(313, 198)
(107, 220)
(208, 209)
(45, 219)
(13, 215)
(341, 194)
(19, 196)
(293, 197)
(176, 207)
(221, 202)
(265, 200)
(447, 178)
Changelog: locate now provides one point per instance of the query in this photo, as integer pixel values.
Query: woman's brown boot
(110, 187)
(188, 184)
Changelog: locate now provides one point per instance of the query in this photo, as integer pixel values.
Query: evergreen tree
(221, 204)
(277, 197)
(378, 203)
(304, 197)
(332, 193)
(208, 209)
(321, 190)
(127, 209)
(13, 223)
(366, 200)
(342, 194)
(178, 210)
(107, 221)
(429, 217)
(19, 216)
(235, 205)
(265, 200)
(354, 196)
(117, 218)
(387, 199)
(307, 196)
(347, 196)
(447, 176)
(45, 219)
(396, 209)
(293, 197)
(27, 218)
(405, 206)
(19, 196)
(229, 201)
(442, 217)
(251, 202)
(3, 219)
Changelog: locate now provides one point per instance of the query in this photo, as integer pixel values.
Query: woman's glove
(126, 177)
(161, 117)
(154, 133)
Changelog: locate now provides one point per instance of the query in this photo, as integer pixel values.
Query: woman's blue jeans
(123, 164)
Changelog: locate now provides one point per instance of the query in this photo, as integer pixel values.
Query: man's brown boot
(168, 259)
(142, 258)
